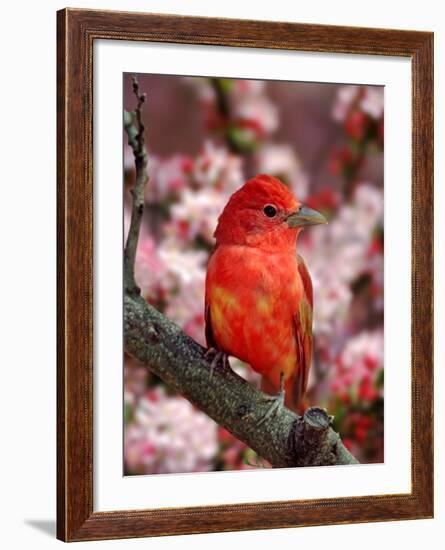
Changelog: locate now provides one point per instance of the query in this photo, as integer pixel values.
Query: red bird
(258, 303)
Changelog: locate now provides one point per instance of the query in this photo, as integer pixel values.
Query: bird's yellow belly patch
(253, 329)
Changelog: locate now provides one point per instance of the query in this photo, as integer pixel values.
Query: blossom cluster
(168, 435)
(356, 381)
(359, 109)
(239, 110)
(337, 256)
(356, 371)
(357, 99)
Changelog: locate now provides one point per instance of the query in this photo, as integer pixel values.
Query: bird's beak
(305, 216)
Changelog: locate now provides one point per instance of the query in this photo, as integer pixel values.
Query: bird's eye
(270, 210)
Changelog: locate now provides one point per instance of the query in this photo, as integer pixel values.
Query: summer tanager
(258, 303)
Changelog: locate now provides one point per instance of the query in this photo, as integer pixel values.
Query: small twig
(135, 130)
(223, 106)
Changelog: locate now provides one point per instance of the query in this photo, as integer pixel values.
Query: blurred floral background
(205, 137)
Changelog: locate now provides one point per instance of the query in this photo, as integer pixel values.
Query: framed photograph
(245, 275)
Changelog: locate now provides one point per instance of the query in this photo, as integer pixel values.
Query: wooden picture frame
(77, 30)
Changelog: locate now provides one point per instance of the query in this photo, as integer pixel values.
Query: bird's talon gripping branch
(210, 353)
(219, 358)
(276, 402)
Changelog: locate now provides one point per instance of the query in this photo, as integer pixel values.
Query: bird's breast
(253, 297)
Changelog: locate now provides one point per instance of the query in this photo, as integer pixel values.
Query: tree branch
(135, 130)
(285, 439)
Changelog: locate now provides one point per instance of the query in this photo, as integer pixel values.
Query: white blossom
(168, 435)
(280, 160)
(336, 254)
(216, 167)
(197, 214)
(345, 97)
(260, 110)
(372, 102)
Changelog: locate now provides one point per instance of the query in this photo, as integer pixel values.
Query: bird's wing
(306, 279)
(210, 339)
(303, 334)
(208, 327)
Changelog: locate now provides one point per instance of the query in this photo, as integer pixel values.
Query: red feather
(258, 304)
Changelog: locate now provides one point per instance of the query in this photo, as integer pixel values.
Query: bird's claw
(218, 356)
(277, 402)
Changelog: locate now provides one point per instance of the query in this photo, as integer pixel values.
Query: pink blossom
(250, 108)
(169, 435)
(161, 270)
(168, 177)
(217, 167)
(150, 270)
(135, 377)
(346, 95)
(357, 125)
(326, 200)
(183, 266)
(374, 268)
(341, 160)
(372, 101)
(357, 366)
(196, 214)
(282, 162)
(369, 99)
(128, 159)
(336, 256)
(259, 109)
(369, 201)
(202, 86)
(186, 308)
(241, 88)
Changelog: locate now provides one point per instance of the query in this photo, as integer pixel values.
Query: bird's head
(265, 214)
